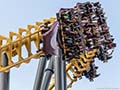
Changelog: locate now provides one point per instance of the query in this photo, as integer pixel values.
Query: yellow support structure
(13, 47)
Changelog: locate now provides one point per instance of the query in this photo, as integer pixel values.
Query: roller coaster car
(84, 28)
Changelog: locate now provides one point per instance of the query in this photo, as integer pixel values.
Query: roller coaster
(70, 43)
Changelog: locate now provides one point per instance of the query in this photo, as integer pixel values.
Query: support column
(48, 74)
(40, 73)
(4, 76)
(58, 71)
(64, 79)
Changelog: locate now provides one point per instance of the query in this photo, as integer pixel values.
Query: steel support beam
(47, 75)
(40, 73)
(64, 79)
(58, 74)
(59, 71)
(4, 76)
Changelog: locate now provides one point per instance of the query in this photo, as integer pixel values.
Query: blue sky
(19, 13)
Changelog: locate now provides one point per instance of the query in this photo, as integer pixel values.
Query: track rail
(13, 44)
